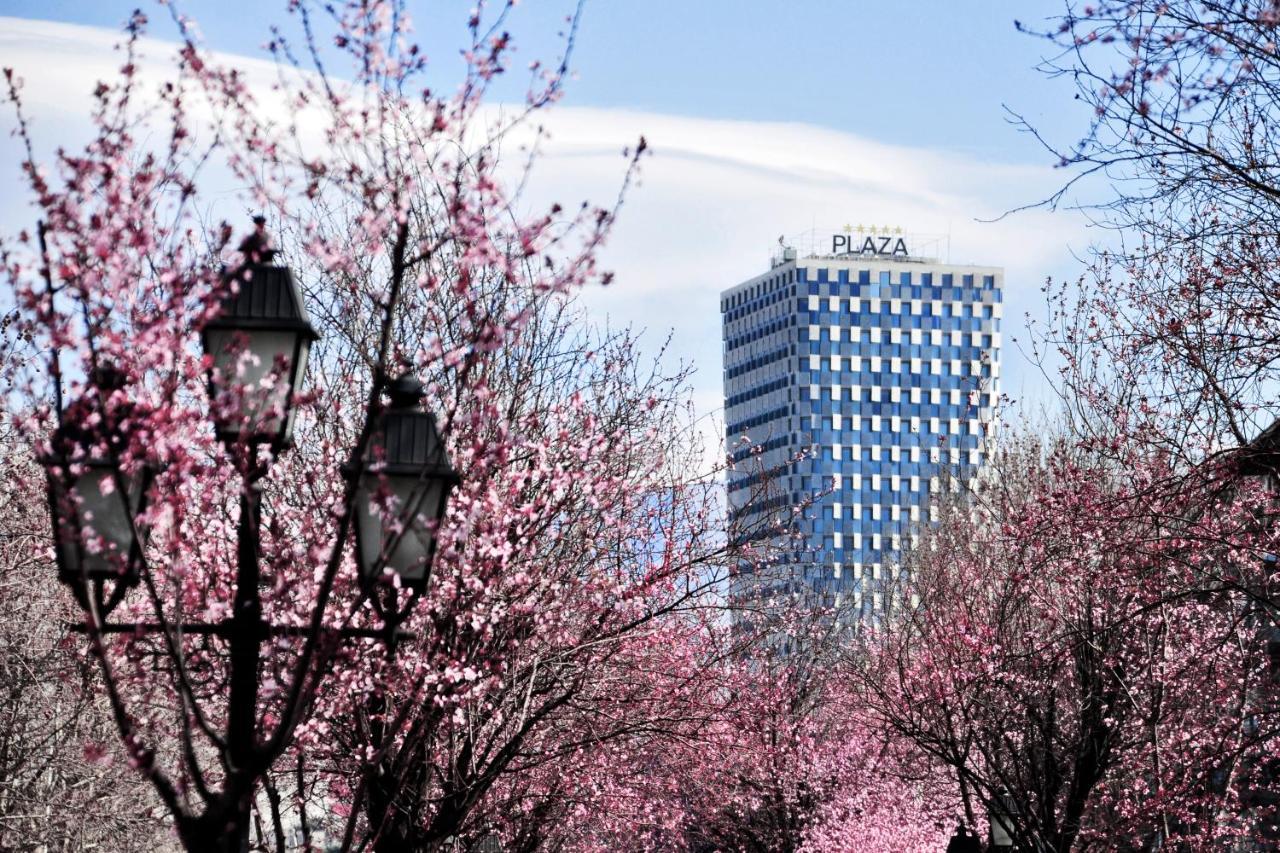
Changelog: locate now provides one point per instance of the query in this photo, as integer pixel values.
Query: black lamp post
(258, 344)
(402, 485)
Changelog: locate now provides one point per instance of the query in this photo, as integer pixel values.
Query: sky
(765, 118)
(928, 72)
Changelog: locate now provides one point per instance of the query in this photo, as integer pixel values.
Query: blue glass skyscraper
(867, 377)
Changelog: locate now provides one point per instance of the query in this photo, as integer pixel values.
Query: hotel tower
(863, 378)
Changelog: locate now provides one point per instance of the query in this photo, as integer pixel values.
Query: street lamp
(403, 487)
(258, 344)
(93, 502)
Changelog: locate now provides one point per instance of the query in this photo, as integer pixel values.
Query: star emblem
(848, 229)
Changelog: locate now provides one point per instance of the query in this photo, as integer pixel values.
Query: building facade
(863, 380)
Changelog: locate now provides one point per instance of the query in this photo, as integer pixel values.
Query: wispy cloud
(716, 195)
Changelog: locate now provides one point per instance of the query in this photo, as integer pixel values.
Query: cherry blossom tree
(1166, 355)
(1176, 319)
(791, 761)
(614, 578)
(575, 550)
(1069, 663)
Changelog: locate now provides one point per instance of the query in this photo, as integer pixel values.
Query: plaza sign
(848, 244)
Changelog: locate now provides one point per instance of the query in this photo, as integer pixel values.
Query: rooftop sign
(865, 243)
(848, 244)
(862, 240)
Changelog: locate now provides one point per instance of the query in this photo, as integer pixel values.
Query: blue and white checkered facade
(870, 382)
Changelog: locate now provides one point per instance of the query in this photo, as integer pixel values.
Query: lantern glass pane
(304, 350)
(1000, 835)
(257, 366)
(409, 502)
(104, 516)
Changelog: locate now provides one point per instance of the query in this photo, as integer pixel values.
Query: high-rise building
(866, 376)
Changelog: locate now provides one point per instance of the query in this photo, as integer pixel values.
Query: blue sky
(764, 119)
(925, 72)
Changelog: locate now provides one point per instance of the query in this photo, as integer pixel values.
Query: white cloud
(713, 198)
(716, 195)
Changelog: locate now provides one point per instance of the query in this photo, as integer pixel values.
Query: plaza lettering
(846, 244)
